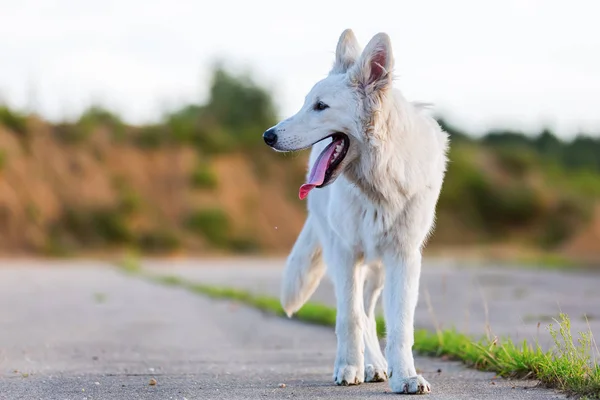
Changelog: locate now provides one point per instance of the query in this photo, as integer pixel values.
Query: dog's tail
(303, 270)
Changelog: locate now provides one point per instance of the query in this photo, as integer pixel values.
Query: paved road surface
(511, 301)
(82, 330)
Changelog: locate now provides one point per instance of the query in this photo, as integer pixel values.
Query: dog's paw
(411, 385)
(346, 375)
(375, 373)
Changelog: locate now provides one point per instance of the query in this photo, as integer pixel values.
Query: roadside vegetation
(178, 178)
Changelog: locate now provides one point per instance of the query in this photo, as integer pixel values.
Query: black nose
(270, 137)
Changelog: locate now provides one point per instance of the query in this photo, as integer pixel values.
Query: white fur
(370, 224)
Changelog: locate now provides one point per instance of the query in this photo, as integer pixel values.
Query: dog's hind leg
(375, 363)
(303, 270)
(349, 368)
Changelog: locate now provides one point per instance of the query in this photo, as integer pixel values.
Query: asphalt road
(82, 330)
(505, 301)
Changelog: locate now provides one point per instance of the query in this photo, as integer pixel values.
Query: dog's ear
(373, 69)
(346, 53)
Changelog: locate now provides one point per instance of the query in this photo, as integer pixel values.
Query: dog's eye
(320, 106)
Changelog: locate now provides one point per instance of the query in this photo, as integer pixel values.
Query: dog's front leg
(349, 362)
(400, 294)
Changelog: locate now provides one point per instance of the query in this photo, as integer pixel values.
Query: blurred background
(136, 125)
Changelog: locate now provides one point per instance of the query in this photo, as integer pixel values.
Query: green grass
(547, 261)
(100, 297)
(570, 368)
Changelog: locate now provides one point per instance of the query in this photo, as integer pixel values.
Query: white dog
(378, 162)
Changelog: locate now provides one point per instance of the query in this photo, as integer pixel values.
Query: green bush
(110, 226)
(480, 201)
(13, 120)
(211, 223)
(93, 227)
(99, 116)
(515, 161)
(585, 182)
(244, 245)
(237, 113)
(196, 126)
(502, 208)
(241, 106)
(462, 181)
(563, 221)
(55, 246)
(129, 201)
(158, 241)
(183, 125)
(582, 153)
(33, 213)
(213, 138)
(3, 158)
(68, 132)
(151, 137)
(204, 177)
(521, 204)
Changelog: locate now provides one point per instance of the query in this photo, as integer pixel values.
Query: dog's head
(340, 108)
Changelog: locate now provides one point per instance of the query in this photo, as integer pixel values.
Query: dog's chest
(360, 225)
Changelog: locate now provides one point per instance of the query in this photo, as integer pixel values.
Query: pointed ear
(346, 53)
(373, 69)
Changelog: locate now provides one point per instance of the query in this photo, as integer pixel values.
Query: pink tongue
(317, 173)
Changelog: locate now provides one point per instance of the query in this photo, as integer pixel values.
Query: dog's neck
(386, 171)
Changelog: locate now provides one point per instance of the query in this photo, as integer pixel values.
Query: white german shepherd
(378, 162)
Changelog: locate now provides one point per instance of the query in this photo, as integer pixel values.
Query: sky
(521, 64)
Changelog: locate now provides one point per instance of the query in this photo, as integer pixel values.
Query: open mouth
(329, 159)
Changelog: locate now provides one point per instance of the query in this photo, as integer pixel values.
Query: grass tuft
(570, 368)
(130, 265)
